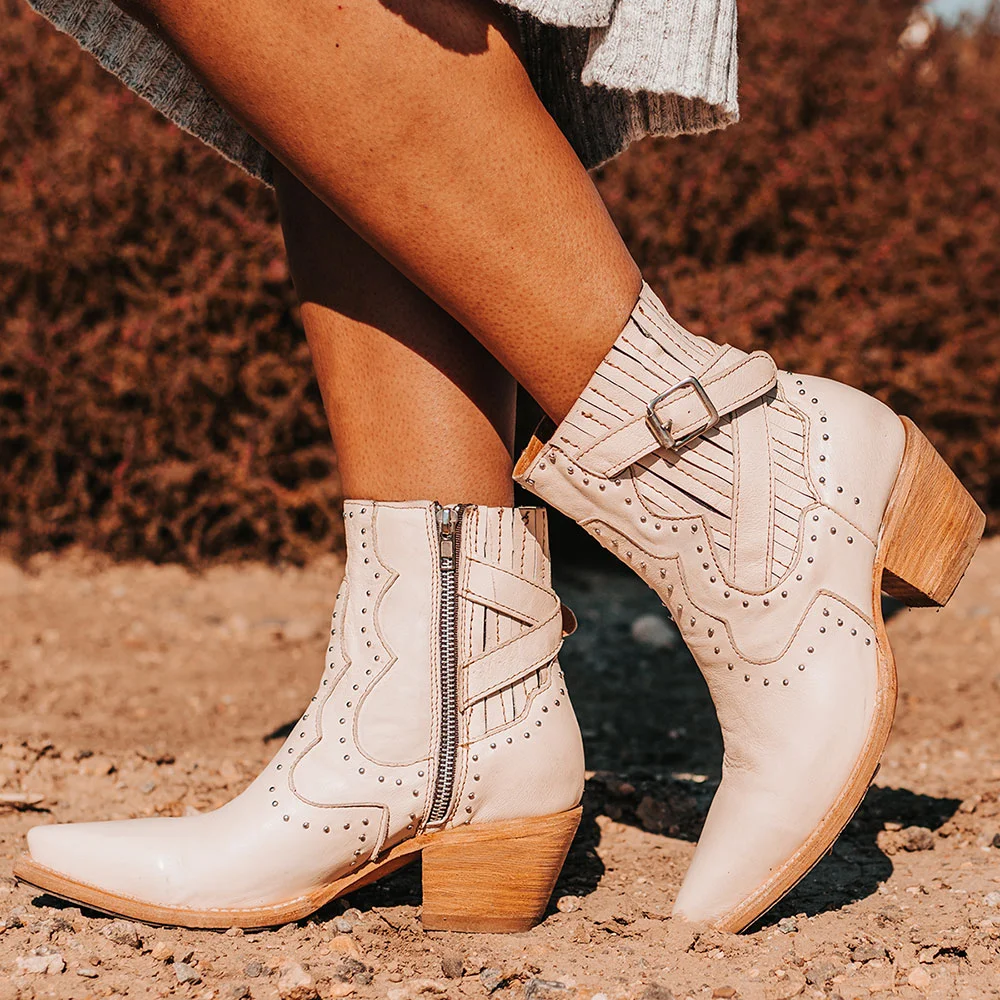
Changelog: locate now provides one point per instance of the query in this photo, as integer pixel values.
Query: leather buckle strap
(684, 411)
(661, 430)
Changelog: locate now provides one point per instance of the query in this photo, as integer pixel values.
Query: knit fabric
(608, 71)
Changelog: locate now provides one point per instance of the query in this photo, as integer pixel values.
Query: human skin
(415, 123)
(418, 409)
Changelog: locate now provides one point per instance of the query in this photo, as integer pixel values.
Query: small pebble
(540, 989)
(123, 932)
(87, 971)
(866, 952)
(492, 979)
(337, 990)
(294, 983)
(49, 965)
(162, 951)
(820, 973)
(654, 991)
(915, 838)
(422, 988)
(452, 964)
(299, 630)
(654, 632)
(185, 973)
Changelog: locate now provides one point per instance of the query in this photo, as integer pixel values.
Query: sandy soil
(138, 690)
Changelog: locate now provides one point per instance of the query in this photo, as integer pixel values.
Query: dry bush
(156, 398)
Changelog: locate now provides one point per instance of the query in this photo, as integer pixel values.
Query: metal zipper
(449, 523)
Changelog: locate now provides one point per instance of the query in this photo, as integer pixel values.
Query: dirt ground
(134, 690)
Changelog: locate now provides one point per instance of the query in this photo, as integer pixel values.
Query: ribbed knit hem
(685, 49)
(647, 67)
(581, 78)
(567, 13)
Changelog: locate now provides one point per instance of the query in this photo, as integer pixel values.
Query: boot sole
(493, 877)
(929, 533)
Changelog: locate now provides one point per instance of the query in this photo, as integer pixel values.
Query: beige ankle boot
(441, 727)
(768, 510)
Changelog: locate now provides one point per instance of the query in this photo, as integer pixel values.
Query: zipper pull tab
(446, 532)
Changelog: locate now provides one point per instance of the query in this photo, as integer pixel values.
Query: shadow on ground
(855, 866)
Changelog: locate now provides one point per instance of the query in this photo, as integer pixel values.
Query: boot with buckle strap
(768, 510)
(441, 728)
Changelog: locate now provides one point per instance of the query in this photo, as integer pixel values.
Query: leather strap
(732, 379)
(518, 657)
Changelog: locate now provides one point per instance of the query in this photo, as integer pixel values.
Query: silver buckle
(661, 431)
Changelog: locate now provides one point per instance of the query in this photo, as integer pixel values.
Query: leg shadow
(855, 866)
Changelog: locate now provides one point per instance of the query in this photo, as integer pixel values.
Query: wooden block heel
(931, 527)
(495, 877)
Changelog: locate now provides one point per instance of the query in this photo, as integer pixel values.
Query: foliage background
(156, 398)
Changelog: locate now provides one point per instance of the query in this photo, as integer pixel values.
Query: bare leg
(415, 121)
(418, 409)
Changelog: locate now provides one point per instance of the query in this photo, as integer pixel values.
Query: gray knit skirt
(608, 71)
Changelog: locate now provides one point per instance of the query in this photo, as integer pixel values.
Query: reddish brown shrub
(156, 398)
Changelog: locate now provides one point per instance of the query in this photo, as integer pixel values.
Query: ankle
(571, 361)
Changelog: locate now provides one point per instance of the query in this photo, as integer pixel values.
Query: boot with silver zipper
(441, 727)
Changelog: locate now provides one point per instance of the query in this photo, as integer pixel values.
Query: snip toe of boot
(105, 855)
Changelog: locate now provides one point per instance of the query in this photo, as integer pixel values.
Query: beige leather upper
(760, 537)
(357, 772)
